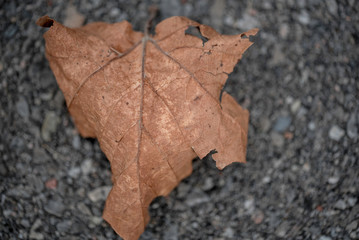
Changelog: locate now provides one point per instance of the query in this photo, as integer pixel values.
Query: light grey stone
(22, 108)
(336, 133)
(49, 125)
(99, 193)
(87, 166)
(196, 197)
(340, 204)
(332, 7)
(282, 123)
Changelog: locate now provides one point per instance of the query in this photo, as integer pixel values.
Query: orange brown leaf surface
(153, 103)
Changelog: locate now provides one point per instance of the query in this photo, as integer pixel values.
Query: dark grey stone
(55, 207)
(64, 226)
(352, 129)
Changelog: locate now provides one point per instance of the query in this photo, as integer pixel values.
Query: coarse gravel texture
(299, 81)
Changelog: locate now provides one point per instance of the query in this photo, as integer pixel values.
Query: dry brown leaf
(152, 102)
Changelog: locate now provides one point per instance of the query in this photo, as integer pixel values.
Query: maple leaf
(153, 103)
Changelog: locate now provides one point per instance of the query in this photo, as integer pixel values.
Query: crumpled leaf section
(153, 103)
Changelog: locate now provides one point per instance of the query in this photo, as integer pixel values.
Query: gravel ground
(299, 80)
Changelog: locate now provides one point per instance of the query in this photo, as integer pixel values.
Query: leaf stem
(152, 14)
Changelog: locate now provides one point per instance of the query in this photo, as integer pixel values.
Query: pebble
(51, 183)
(311, 126)
(182, 190)
(36, 235)
(77, 227)
(332, 7)
(282, 123)
(284, 30)
(10, 31)
(35, 182)
(170, 8)
(352, 129)
(340, 204)
(196, 197)
(208, 184)
(34, 227)
(115, 12)
(295, 106)
(247, 22)
(59, 99)
(352, 201)
(76, 142)
(25, 223)
(99, 193)
(96, 220)
(3, 169)
(74, 172)
(20, 192)
(22, 108)
(249, 205)
(277, 57)
(55, 207)
(264, 124)
(40, 156)
(63, 226)
(333, 180)
(352, 226)
(266, 179)
(336, 133)
(87, 166)
(171, 232)
(228, 232)
(277, 139)
(304, 18)
(282, 229)
(257, 217)
(216, 13)
(325, 238)
(84, 209)
(49, 125)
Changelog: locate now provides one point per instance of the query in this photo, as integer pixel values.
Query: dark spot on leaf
(197, 98)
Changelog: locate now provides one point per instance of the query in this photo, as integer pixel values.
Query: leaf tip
(45, 21)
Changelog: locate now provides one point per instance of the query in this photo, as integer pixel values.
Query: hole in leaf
(244, 36)
(194, 31)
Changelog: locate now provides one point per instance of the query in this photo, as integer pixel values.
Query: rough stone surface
(304, 65)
